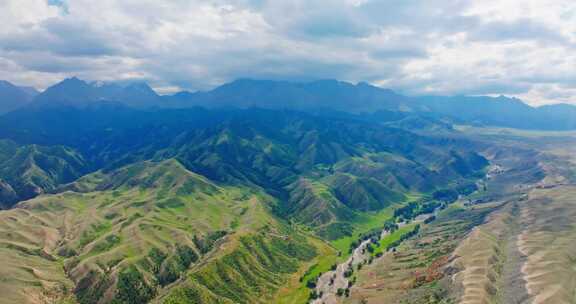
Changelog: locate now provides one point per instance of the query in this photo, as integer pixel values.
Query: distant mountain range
(311, 96)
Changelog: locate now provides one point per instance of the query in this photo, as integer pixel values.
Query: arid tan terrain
(515, 243)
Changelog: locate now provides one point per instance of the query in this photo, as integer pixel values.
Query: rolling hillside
(123, 236)
(203, 206)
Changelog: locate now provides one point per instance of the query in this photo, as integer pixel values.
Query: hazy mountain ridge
(361, 98)
(365, 98)
(327, 94)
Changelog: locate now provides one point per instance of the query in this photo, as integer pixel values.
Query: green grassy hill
(29, 170)
(129, 234)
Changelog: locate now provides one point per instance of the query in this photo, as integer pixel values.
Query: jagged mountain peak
(77, 92)
(72, 83)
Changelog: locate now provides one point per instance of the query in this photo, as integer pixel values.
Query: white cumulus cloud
(517, 48)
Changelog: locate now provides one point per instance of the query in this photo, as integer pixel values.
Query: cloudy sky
(518, 48)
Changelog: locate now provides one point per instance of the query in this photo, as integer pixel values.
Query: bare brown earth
(417, 273)
(549, 243)
(513, 243)
(28, 273)
(524, 253)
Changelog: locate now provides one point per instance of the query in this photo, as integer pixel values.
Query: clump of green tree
(205, 244)
(315, 295)
(430, 219)
(373, 235)
(132, 288)
(92, 287)
(173, 267)
(167, 268)
(311, 283)
(390, 226)
(414, 209)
